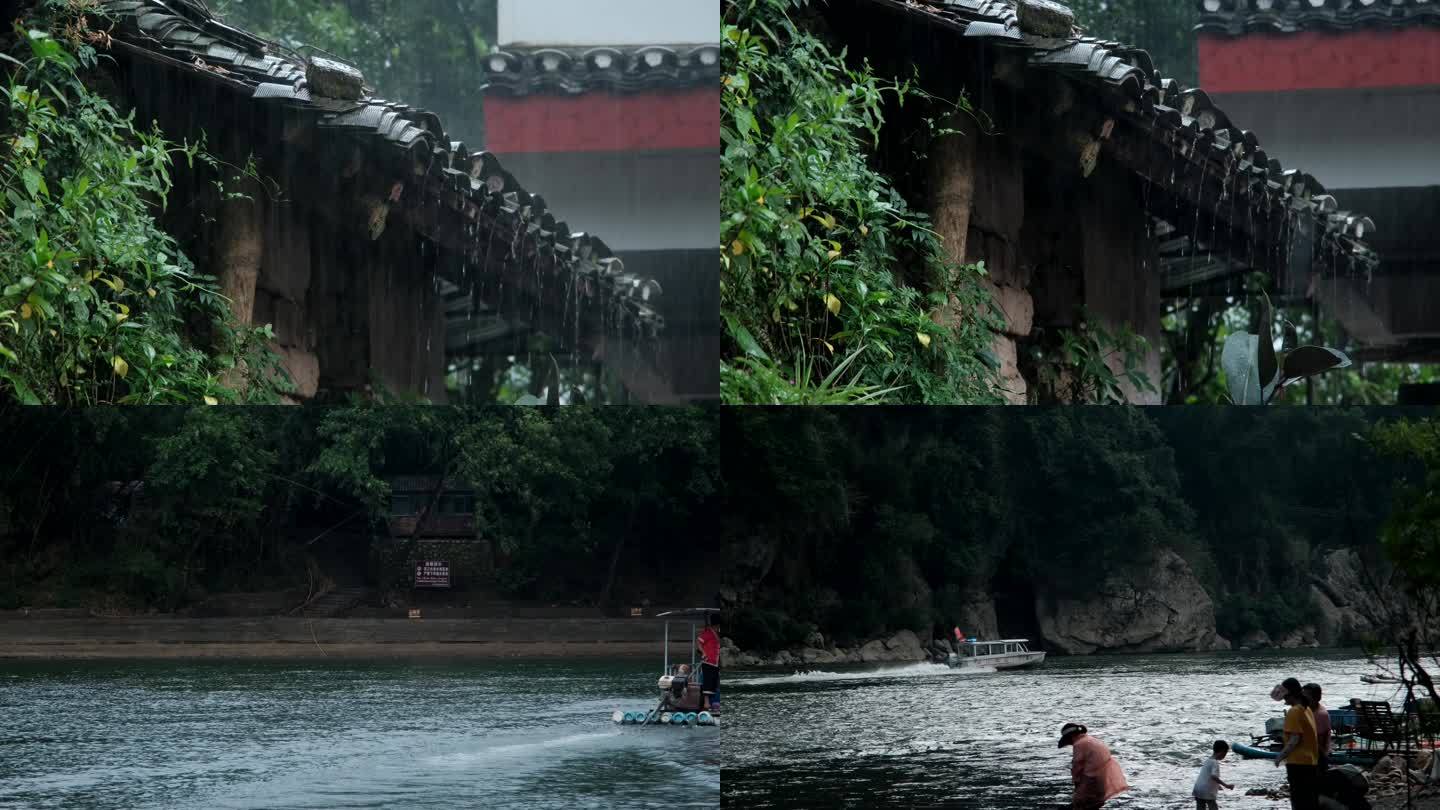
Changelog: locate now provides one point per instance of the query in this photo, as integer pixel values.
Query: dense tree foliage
(830, 281)
(576, 497)
(864, 522)
(97, 303)
(1164, 28)
(422, 52)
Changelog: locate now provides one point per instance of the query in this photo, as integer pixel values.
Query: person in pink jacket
(1096, 774)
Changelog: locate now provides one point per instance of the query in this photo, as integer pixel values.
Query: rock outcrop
(1163, 609)
(1255, 640)
(977, 616)
(1337, 595)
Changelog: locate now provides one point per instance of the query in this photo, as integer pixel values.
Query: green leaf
(1307, 361)
(23, 392)
(744, 338)
(33, 181)
(1242, 372)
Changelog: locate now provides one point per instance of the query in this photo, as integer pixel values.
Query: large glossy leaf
(1238, 358)
(1310, 360)
(1268, 369)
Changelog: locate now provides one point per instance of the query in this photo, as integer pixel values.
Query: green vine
(824, 266)
(97, 303)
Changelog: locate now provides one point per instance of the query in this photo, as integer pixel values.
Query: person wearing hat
(1096, 774)
(1301, 753)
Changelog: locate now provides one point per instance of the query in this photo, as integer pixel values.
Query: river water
(924, 735)
(342, 735)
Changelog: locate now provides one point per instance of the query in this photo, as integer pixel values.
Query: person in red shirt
(1322, 725)
(708, 640)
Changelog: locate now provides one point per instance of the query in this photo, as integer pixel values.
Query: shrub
(813, 239)
(97, 304)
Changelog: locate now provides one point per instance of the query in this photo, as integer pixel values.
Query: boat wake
(909, 671)
(520, 750)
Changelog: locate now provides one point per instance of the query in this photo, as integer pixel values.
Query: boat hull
(1019, 660)
(1341, 757)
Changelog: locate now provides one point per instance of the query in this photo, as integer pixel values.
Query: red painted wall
(602, 122)
(1314, 60)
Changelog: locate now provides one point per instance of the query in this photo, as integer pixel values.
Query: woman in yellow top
(1301, 754)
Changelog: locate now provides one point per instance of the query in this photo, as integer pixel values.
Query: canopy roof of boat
(998, 641)
(690, 612)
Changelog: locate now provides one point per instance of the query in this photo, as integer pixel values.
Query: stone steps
(335, 602)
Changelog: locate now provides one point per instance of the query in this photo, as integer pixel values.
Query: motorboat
(1007, 653)
(680, 703)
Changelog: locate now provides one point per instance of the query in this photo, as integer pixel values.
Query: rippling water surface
(925, 735)
(252, 735)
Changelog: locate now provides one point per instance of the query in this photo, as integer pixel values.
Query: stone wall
(472, 562)
(1054, 244)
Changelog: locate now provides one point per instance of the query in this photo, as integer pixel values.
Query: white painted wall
(608, 22)
(633, 201)
(1347, 138)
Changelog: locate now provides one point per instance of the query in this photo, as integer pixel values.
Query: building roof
(426, 483)
(473, 187)
(518, 70)
(1236, 17)
(1195, 136)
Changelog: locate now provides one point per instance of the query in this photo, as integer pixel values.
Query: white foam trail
(910, 671)
(513, 749)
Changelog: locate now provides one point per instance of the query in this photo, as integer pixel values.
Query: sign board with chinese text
(432, 574)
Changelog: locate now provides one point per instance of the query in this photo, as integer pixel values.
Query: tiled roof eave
(574, 70)
(1182, 121)
(1241, 17)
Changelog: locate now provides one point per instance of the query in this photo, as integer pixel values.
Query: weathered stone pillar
(978, 208)
(238, 254)
(952, 180)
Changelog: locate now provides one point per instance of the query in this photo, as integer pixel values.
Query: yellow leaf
(737, 247)
(832, 303)
(211, 401)
(834, 254)
(828, 346)
(121, 367)
(150, 292)
(119, 283)
(50, 265)
(120, 316)
(91, 276)
(864, 231)
(25, 312)
(923, 338)
(762, 199)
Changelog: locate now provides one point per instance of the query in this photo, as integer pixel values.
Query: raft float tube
(651, 718)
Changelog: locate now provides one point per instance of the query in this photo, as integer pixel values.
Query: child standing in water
(1208, 783)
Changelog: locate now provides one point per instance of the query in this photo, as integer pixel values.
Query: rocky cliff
(1162, 609)
(1338, 595)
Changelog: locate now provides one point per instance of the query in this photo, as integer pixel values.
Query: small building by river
(1098, 192)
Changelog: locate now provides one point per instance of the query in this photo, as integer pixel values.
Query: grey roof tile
(572, 71)
(1238, 17)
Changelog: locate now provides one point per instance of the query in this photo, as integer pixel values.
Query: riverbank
(295, 637)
